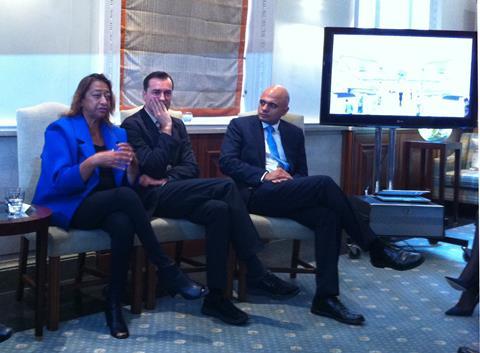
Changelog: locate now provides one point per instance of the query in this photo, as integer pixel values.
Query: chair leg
(137, 261)
(53, 300)
(295, 255)
(22, 267)
(178, 252)
(150, 286)
(232, 260)
(80, 268)
(242, 282)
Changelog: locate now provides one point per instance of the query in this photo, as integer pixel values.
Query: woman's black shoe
(186, 287)
(115, 321)
(466, 305)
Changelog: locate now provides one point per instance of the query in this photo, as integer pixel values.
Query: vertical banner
(200, 43)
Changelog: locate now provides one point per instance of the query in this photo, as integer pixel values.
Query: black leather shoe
(333, 308)
(223, 309)
(384, 254)
(5, 332)
(115, 321)
(272, 286)
(186, 287)
(466, 350)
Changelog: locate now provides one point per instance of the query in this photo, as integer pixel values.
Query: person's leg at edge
(467, 282)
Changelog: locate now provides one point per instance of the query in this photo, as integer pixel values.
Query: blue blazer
(67, 144)
(242, 156)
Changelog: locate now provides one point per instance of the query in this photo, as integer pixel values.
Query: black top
(107, 180)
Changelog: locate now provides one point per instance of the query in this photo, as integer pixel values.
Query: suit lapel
(259, 139)
(83, 137)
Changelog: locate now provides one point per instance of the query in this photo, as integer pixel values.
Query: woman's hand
(120, 158)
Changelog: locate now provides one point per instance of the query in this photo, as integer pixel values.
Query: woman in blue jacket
(87, 168)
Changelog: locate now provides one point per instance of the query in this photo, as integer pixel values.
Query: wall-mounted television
(399, 78)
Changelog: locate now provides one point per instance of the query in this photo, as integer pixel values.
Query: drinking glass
(14, 198)
(117, 148)
(187, 117)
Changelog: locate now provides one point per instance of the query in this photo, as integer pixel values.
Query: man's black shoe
(223, 309)
(466, 350)
(333, 308)
(272, 286)
(383, 254)
(5, 332)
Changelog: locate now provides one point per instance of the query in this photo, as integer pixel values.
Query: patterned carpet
(404, 313)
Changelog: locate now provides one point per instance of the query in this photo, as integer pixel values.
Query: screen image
(399, 78)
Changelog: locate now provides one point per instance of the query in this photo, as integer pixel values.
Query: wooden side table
(426, 169)
(37, 221)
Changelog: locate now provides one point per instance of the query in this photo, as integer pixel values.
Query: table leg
(40, 279)
(406, 165)
(442, 171)
(456, 185)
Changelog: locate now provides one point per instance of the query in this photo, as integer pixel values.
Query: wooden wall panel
(358, 159)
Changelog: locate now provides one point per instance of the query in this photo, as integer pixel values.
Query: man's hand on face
(278, 175)
(160, 111)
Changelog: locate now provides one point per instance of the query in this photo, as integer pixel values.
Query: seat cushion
(280, 228)
(169, 229)
(468, 179)
(62, 242)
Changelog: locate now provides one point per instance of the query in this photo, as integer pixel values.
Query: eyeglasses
(270, 105)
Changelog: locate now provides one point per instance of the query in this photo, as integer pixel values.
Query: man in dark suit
(171, 188)
(266, 158)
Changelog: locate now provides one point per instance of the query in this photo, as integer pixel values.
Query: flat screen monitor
(399, 78)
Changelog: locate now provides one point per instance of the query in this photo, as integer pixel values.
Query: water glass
(14, 198)
(122, 166)
(187, 117)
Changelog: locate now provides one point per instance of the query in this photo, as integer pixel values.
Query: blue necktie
(272, 146)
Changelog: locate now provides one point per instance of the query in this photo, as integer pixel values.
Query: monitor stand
(390, 175)
(378, 158)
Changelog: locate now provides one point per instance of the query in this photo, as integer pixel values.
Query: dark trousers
(318, 203)
(121, 214)
(216, 204)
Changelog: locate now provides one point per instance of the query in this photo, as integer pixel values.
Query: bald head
(273, 104)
